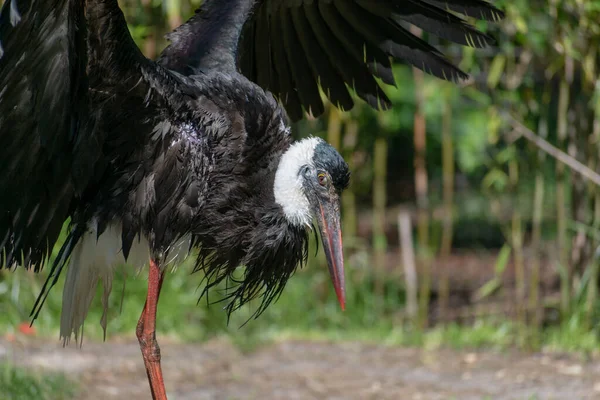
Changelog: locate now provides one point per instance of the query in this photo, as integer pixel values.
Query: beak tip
(331, 235)
(341, 295)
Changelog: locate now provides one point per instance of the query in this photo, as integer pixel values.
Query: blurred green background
(504, 237)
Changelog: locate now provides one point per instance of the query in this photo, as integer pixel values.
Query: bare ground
(299, 370)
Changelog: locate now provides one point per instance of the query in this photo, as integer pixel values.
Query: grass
(308, 306)
(20, 384)
(308, 309)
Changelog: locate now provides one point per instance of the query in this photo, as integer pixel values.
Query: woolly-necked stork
(151, 159)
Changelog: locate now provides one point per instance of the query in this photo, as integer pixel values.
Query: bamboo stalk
(517, 245)
(536, 234)
(592, 293)
(350, 221)
(581, 199)
(561, 193)
(379, 203)
(448, 194)
(408, 261)
(421, 183)
(150, 46)
(334, 127)
(556, 153)
(174, 16)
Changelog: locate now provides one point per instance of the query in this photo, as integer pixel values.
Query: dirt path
(296, 370)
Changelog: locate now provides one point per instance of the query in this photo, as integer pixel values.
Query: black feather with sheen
(43, 107)
(336, 44)
(272, 250)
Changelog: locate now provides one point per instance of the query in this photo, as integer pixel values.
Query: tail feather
(92, 260)
(95, 255)
(57, 267)
(96, 258)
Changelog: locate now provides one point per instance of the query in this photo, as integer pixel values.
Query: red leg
(146, 334)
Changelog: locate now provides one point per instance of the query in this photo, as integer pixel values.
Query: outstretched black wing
(54, 61)
(43, 92)
(290, 47)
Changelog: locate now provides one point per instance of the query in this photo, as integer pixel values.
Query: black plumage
(190, 145)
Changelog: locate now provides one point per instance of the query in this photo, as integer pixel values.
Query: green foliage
(307, 305)
(495, 283)
(482, 334)
(307, 309)
(573, 335)
(20, 384)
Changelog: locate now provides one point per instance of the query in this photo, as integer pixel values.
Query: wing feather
(356, 75)
(266, 76)
(442, 24)
(333, 44)
(471, 8)
(431, 19)
(325, 73)
(303, 78)
(363, 51)
(62, 62)
(287, 90)
(352, 40)
(354, 65)
(42, 107)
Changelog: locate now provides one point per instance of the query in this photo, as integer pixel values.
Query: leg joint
(150, 348)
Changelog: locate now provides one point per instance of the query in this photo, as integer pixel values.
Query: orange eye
(322, 179)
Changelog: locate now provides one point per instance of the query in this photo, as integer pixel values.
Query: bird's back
(219, 137)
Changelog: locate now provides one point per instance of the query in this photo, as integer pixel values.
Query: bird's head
(308, 184)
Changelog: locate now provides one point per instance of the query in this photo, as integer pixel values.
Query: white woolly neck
(289, 193)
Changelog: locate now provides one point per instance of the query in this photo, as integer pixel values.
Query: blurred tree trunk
(561, 189)
(421, 183)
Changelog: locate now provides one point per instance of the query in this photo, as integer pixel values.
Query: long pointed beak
(328, 219)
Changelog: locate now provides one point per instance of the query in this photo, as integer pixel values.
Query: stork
(148, 160)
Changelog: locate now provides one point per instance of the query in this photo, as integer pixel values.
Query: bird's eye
(322, 179)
